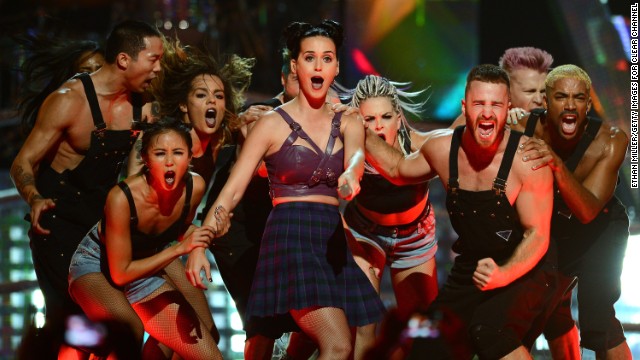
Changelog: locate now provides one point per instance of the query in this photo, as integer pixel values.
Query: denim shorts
(87, 260)
(403, 246)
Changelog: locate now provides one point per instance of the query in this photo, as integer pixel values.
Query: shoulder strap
(187, 198)
(335, 132)
(132, 205)
(98, 121)
(136, 102)
(535, 114)
(296, 130)
(500, 182)
(335, 125)
(589, 134)
(453, 158)
(319, 172)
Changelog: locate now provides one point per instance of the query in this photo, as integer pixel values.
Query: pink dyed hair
(526, 58)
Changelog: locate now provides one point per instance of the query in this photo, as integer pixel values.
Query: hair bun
(335, 31)
(296, 31)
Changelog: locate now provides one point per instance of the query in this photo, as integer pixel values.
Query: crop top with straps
(144, 245)
(296, 170)
(380, 195)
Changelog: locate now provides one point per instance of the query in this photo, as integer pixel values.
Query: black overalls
(593, 252)
(80, 196)
(488, 226)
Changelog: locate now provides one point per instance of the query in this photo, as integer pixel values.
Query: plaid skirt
(305, 262)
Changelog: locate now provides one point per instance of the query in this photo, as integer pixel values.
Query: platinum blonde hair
(567, 71)
(403, 101)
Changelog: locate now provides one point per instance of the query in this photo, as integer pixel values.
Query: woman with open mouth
(306, 278)
(143, 216)
(391, 224)
(208, 94)
(198, 90)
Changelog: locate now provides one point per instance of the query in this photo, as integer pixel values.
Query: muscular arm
(418, 138)
(396, 167)
(534, 205)
(54, 118)
(587, 198)
(50, 127)
(353, 154)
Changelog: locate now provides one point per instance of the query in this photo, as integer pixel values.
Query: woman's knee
(366, 331)
(338, 348)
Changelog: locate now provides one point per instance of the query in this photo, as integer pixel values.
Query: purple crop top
(296, 170)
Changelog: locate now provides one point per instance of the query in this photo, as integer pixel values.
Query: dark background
(431, 43)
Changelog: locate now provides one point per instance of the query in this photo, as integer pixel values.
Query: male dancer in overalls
(589, 224)
(502, 279)
(73, 156)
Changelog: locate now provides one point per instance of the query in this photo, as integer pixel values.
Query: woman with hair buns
(306, 278)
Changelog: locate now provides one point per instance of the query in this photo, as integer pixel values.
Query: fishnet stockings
(91, 290)
(169, 318)
(176, 277)
(102, 302)
(327, 327)
(174, 274)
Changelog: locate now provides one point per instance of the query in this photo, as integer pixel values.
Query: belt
(399, 230)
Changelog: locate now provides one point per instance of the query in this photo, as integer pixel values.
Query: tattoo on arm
(155, 109)
(23, 179)
(35, 196)
(138, 149)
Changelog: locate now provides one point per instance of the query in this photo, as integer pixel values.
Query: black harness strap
(92, 97)
(500, 182)
(453, 159)
(535, 114)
